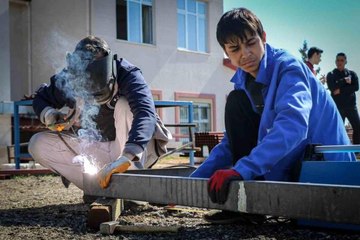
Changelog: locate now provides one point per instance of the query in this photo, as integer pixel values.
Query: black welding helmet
(97, 75)
(101, 79)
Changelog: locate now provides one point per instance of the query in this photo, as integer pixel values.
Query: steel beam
(332, 203)
(337, 148)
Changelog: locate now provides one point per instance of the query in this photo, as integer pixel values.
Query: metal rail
(337, 148)
(190, 124)
(158, 104)
(326, 202)
(17, 154)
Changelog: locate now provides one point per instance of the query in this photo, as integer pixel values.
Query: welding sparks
(87, 162)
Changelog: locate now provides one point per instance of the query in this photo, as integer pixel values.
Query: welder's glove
(118, 166)
(218, 184)
(51, 117)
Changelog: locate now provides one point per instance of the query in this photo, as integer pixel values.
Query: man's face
(248, 54)
(317, 58)
(340, 62)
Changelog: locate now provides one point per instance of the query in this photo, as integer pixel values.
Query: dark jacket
(132, 86)
(347, 97)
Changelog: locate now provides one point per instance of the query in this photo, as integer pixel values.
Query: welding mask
(98, 74)
(101, 79)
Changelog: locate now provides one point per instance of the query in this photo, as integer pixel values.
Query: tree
(303, 51)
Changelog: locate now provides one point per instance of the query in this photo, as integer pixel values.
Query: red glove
(218, 184)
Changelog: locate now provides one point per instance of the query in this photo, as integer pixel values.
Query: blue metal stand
(189, 105)
(17, 104)
(328, 172)
(17, 154)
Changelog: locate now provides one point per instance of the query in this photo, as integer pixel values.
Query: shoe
(65, 182)
(228, 217)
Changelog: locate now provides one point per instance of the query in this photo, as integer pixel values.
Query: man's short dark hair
(313, 50)
(237, 23)
(341, 54)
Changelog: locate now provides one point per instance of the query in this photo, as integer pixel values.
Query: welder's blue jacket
(297, 111)
(132, 86)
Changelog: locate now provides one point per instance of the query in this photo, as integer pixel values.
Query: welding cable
(66, 144)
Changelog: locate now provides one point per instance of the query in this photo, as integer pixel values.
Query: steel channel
(333, 203)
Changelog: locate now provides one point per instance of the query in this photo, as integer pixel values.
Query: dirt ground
(39, 207)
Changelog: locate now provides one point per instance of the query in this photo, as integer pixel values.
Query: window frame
(130, 37)
(199, 98)
(186, 13)
(197, 109)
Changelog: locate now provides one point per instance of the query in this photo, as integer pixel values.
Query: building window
(201, 116)
(134, 21)
(204, 112)
(192, 24)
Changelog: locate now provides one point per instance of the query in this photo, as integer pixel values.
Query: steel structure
(325, 202)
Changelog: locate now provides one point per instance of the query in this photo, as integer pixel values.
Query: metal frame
(326, 202)
(337, 148)
(17, 154)
(17, 104)
(189, 105)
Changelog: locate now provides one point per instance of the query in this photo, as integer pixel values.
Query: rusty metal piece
(109, 228)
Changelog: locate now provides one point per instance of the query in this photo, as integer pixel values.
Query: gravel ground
(39, 207)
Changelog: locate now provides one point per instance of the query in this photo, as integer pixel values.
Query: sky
(332, 25)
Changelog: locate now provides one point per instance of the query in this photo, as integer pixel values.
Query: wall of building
(5, 51)
(5, 117)
(56, 26)
(20, 46)
(164, 66)
(50, 28)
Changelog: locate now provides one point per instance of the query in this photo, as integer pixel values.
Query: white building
(172, 41)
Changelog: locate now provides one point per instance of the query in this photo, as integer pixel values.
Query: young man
(343, 83)
(277, 108)
(314, 58)
(112, 117)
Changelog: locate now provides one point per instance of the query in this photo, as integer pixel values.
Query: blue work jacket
(297, 111)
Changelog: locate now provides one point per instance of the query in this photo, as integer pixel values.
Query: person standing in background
(314, 58)
(343, 83)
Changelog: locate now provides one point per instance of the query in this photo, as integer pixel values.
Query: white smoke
(75, 87)
(74, 83)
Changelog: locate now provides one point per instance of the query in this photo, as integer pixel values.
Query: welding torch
(61, 124)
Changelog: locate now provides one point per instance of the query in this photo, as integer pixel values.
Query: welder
(112, 119)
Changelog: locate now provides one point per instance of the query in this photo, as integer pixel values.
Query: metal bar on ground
(337, 148)
(172, 171)
(332, 203)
